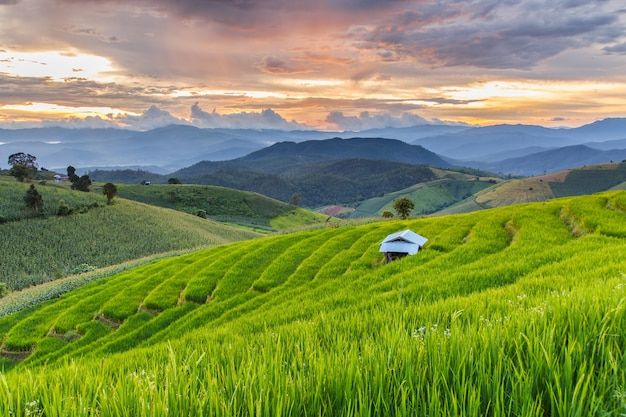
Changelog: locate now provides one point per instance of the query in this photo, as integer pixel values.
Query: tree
(173, 181)
(82, 184)
(110, 190)
(33, 199)
(71, 174)
(295, 200)
(22, 172)
(387, 214)
(23, 166)
(22, 158)
(403, 207)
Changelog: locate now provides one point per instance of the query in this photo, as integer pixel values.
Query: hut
(400, 244)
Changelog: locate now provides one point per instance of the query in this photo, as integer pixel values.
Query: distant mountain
(476, 144)
(281, 158)
(489, 142)
(554, 160)
(173, 147)
(321, 171)
(170, 147)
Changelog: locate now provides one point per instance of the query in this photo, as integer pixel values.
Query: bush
(64, 209)
(83, 268)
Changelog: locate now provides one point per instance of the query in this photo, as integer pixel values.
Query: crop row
(505, 312)
(40, 250)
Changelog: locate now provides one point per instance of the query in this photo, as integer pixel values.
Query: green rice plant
(45, 249)
(202, 285)
(25, 334)
(168, 293)
(241, 275)
(127, 301)
(514, 317)
(122, 343)
(285, 264)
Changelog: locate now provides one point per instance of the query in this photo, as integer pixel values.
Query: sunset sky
(325, 64)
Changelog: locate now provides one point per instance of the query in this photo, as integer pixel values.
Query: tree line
(24, 168)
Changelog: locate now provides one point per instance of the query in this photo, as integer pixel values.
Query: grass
(48, 247)
(428, 197)
(223, 204)
(505, 312)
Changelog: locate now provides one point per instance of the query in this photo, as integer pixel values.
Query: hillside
(554, 160)
(223, 204)
(320, 172)
(572, 182)
(36, 249)
(445, 189)
(479, 143)
(512, 311)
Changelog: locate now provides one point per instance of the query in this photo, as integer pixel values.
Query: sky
(301, 64)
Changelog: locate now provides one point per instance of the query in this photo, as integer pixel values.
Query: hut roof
(406, 241)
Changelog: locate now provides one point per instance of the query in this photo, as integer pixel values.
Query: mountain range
(510, 149)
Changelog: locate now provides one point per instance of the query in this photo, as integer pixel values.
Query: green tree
(22, 158)
(403, 207)
(110, 190)
(33, 199)
(82, 184)
(71, 174)
(22, 172)
(295, 200)
(173, 181)
(387, 214)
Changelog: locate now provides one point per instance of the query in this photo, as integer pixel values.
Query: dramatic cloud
(365, 121)
(370, 62)
(266, 119)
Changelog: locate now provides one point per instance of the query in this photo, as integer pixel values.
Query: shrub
(82, 268)
(64, 209)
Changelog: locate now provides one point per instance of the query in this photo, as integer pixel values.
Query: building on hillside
(400, 244)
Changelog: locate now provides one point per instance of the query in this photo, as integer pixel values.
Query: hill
(477, 144)
(444, 189)
(554, 160)
(320, 172)
(223, 204)
(512, 311)
(571, 182)
(36, 249)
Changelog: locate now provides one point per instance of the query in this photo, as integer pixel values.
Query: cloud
(150, 119)
(275, 65)
(266, 119)
(619, 49)
(493, 35)
(366, 120)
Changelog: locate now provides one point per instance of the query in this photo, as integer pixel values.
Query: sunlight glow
(55, 109)
(246, 94)
(56, 65)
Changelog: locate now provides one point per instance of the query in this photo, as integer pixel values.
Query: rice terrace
(512, 311)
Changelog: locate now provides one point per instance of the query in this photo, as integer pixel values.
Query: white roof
(406, 241)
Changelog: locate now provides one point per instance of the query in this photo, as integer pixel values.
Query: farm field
(519, 310)
(46, 247)
(580, 181)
